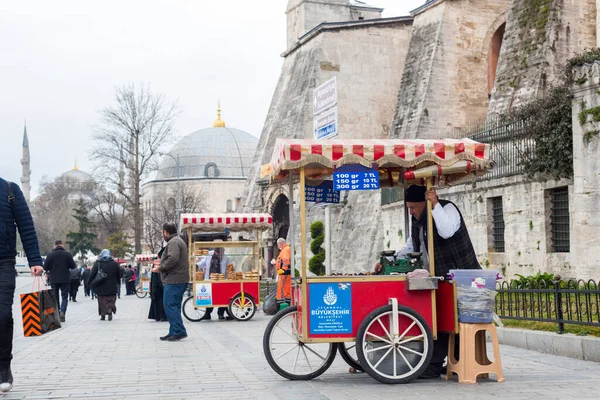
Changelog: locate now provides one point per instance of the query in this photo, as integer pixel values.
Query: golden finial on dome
(219, 123)
(75, 167)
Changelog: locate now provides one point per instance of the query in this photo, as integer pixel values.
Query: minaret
(26, 167)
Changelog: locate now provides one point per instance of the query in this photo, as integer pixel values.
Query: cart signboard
(203, 294)
(323, 193)
(145, 285)
(356, 177)
(330, 308)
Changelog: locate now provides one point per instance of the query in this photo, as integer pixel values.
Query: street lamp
(178, 196)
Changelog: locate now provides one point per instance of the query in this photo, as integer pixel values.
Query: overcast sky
(61, 60)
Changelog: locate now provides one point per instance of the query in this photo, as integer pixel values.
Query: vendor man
(215, 263)
(453, 250)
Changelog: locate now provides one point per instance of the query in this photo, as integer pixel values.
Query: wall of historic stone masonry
(527, 227)
(586, 188)
(444, 83)
(540, 37)
(304, 15)
(366, 105)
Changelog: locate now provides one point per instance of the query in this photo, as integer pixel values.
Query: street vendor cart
(382, 324)
(143, 287)
(238, 288)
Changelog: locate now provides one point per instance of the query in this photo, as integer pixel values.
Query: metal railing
(511, 144)
(561, 302)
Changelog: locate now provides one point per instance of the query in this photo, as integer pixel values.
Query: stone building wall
(540, 37)
(304, 15)
(527, 225)
(365, 106)
(586, 164)
(445, 82)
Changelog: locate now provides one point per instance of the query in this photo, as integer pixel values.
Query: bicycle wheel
(290, 357)
(190, 312)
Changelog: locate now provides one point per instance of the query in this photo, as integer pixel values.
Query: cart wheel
(290, 357)
(348, 352)
(190, 312)
(239, 311)
(392, 359)
(140, 293)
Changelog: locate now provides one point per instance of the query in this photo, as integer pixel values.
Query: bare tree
(128, 140)
(52, 210)
(164, 210)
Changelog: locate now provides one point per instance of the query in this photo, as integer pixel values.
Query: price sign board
(356, 177)
(324, 193)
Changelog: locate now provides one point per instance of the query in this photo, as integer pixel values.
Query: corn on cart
(389, 321)
(143, 287)
(238, 288)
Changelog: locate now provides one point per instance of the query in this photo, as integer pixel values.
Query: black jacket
(75, 274)
(58, 263)
(85, 276)
(13, 217)
(113, 275)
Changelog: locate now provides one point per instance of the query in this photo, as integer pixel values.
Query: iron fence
(561, 302)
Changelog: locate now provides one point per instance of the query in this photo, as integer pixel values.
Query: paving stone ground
(92, 359)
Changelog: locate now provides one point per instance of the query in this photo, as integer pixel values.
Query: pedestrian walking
(106, 291)
(157, 309)
(75, 282)
(126, 278)
(85, 278)
(174, 273)
(14, 213)
(58, 263)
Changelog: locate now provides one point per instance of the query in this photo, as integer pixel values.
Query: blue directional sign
(323, 193)
(355, 177)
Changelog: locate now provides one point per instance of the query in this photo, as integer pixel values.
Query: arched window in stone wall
(211, 170)
(494, 55)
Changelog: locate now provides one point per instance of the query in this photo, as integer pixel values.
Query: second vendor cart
(143, 287)
(390, 321)
(237, 287)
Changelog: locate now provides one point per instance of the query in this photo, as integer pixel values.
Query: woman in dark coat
(106, 291)
(157, 310)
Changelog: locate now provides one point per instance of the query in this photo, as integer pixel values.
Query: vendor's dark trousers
(86, 289)
(440, 349)
(8, 276)
(64, 289)
(74, 290)
(220, 311)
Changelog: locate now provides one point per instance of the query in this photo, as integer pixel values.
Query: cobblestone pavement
(88, 358)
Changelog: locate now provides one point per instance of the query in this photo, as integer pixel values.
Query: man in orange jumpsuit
(283, 268)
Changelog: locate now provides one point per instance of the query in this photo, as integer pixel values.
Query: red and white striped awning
(290, 154)
(145, 257)
(233, 222)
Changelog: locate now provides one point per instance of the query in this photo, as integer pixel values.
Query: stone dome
(212, 153)
(77, 176)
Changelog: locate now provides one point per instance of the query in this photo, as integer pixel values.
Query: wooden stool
(473, 361)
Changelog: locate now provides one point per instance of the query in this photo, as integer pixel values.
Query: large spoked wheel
(140, 293)
(348, 352)
(190, 312)
(390, 358)
(290, 357)
(239, 311)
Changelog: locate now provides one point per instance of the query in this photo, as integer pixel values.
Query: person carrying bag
(39, 311)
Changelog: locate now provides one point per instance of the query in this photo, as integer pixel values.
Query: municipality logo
(330, 298)
(203, 289)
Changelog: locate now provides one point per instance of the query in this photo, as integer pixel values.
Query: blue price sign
(330, 308)
(324, 193)
(356, 177)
